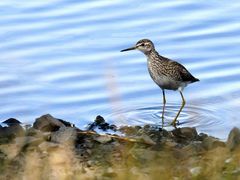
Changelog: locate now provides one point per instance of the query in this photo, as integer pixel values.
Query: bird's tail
(195, 80)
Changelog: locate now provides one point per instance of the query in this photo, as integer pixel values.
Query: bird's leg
(183, 103)
(163, 109)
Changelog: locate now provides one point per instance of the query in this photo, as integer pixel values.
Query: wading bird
(166, 73)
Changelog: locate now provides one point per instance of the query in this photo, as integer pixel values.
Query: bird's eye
(142, 44)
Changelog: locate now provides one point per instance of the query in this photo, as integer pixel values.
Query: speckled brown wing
(182, 74)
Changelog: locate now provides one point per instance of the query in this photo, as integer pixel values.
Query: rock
(19, 144)
(211, 143)
(103, 139)
(65, 135)
(164, 133)
(101, 124)
(99, 120)
(193, 149)
(187, 133)
(12, 131)
(11, 121)
(10, 150)
(67, 124)
(195, 171)
(147, 140)
(4, 140)
(130, 130)
(170, 144)
(143, 155)
(110, 173)
(202, 136)
(37, 133)
(47, 123)
(90, 163)
(48, 146)
(229, 160)
(233, 139)
(236, 171)
(27, 141)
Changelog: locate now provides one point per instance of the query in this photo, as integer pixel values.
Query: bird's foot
(175, 123)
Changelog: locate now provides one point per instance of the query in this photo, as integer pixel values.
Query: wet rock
(211, 143)
(47, 123)
(233, 139)
(99, 120)
(103, 139)
(202, 136)
(155, 133)
(186, 133)
(65, 135)
(11, 121)
(11, 131)
(164, 132)
(101, 124)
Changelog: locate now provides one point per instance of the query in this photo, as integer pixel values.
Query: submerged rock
(233, 139)
(47, 123)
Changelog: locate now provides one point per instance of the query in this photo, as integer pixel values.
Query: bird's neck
(152, 55)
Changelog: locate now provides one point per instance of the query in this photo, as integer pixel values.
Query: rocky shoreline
(55, 149)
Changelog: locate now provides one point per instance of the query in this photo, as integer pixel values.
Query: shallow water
(63, 57)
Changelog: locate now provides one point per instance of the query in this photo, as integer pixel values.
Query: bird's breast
(163, 80)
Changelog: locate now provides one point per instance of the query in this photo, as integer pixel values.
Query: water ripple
(62, 57)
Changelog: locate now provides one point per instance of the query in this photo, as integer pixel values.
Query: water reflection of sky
(62, 57)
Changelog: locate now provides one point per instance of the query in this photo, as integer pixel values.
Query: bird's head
(144, 45)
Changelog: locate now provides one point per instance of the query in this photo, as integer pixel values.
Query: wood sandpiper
(166, 73)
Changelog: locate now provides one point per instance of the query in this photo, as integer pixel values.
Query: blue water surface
(63, 57)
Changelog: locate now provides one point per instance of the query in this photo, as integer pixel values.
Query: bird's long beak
(129, 49)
